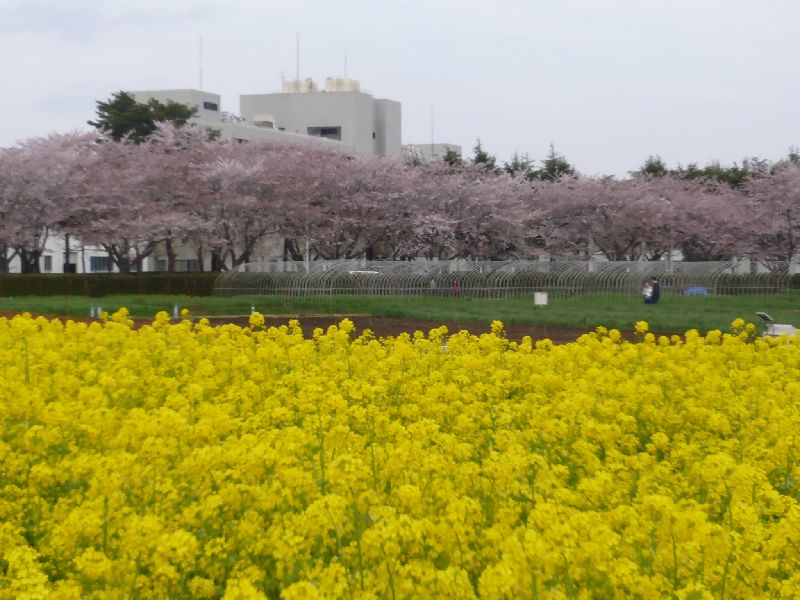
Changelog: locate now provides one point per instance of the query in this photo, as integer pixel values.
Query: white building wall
(93, 259)
(388, 126)
(86, 258)
(207, 104)
(187, 258)
(356, 113)
(365, 136)
(368, 126)
(249, 133)
(233, 130)
(270, 248)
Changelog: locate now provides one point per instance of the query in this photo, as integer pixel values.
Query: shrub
(103, 284)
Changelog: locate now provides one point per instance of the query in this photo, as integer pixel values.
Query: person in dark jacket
(651, 291)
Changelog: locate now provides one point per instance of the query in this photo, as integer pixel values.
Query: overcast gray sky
(607, 81)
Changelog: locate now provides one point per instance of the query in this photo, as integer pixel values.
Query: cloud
(85, 20)
(77, 19)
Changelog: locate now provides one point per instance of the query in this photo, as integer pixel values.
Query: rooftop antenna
(297, 56)
(200, 63)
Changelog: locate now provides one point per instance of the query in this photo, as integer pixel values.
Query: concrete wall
(250, 133)
(369, 127)
(359, 115)
(53, 256)
(192, 98)
(270, 248)
(388, 126)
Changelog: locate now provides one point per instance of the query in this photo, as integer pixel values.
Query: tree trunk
(171, 255)
(123, 263)
(217, 259)
(245, 255)
(29, 260)
(5, 260)
(200, 260)
(291, 250)
(243, 258)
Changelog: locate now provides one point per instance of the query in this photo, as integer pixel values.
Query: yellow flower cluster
(187, 461)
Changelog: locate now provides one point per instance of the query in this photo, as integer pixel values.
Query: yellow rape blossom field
(187, 461)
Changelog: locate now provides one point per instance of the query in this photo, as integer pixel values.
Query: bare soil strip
(384, 326)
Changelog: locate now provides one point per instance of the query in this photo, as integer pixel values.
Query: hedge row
(104, 284)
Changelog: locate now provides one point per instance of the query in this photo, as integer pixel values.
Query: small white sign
(777, 329)
(540, 298)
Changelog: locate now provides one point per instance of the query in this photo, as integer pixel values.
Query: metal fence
(502, 279)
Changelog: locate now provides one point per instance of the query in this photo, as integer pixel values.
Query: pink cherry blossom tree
(710, 221)
(227, 200)
(41, 178)
(174, 159)
(240, 201)
(7, 252)
(118, 213)
(773, 206)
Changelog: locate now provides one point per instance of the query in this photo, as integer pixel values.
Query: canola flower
(188, 461)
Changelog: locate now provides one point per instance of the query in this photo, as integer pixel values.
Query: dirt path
(384, 326)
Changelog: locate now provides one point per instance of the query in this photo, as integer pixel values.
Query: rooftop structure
(206, 103)
(231, 127)
(342, 113)
(341, 117)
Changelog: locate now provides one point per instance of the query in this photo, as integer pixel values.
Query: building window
(210, 105)
(48, 264)
(331, 133)
(100, 264)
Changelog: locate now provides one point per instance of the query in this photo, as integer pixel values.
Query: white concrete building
(245, 132)
(210, 115)
(342, 113)
(81, 258)
(206, 103)
(342, 117)
(187, 258)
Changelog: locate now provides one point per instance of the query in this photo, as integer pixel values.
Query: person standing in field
(651, 291)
